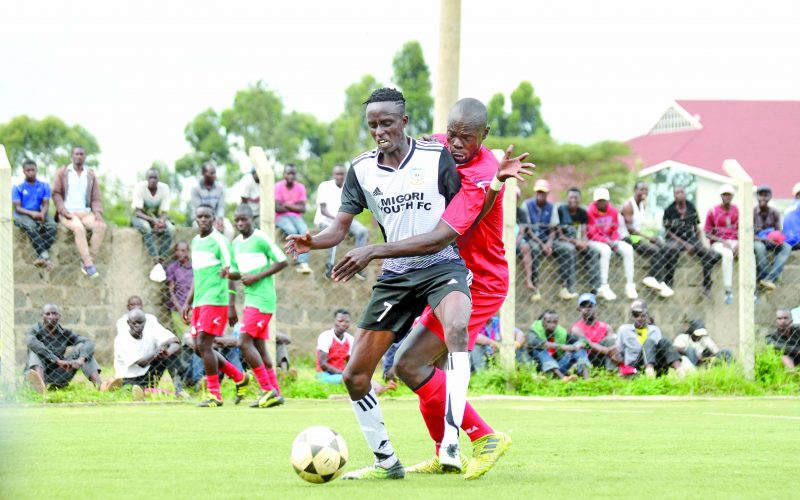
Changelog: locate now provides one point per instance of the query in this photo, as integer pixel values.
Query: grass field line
(753, 415)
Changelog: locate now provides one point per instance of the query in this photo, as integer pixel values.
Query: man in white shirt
(151, 201)
(144, 349)
(251, 194)
(329, 197)
(697, 347)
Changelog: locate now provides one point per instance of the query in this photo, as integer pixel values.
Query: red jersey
(338, 351)
(481, 246)
(595, 333)
(723, 223)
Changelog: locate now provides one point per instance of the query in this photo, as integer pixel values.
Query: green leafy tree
(347, 134)
(256, 117)
(496, 114)
(48, 142)
(412, 75)
(526, 118)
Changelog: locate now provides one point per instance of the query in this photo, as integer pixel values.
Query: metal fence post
(7, 342)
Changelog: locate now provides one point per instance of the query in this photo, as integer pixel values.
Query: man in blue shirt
(31, 200)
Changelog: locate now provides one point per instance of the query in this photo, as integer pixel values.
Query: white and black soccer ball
(319, 454)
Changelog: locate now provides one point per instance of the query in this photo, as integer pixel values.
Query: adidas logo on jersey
(377, 192)
(452, 281)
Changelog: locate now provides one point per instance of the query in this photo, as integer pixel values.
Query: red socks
(432, 406)
(231, 371)
(212, 383)
(273, 381)
(262, 377)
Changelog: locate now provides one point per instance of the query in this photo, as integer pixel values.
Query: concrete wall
(91, 307)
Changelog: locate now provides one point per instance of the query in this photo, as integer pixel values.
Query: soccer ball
(319, 454)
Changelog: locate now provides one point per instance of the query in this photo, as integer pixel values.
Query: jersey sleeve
(15, 194)
(449, 180)
(353, 199)
(271, 250)
(465, 207)
(226, 254)
(323, 343)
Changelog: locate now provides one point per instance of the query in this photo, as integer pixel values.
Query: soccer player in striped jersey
(258, 258)
(406, 184)
(474, 219)
(207, 301)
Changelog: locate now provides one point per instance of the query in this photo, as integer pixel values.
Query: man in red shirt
(603, 231)
(722, 229)
(598, 334)
(474, 218)
(333, 349)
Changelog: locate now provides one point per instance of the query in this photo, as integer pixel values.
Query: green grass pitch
(644, 448)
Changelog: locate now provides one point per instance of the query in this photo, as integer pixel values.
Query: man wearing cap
(682, 225)
(540, 234)
(722, 229)
(603, 232)
(571, 222)
(697, 347)
(642, 345)
(768, 238)
(662, 257)
(786, 339)
(598, 336)
(791, 221)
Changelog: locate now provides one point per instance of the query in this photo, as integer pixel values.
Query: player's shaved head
(244, 210)
(468, 112)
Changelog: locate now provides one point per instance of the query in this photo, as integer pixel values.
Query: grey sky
(134, 73)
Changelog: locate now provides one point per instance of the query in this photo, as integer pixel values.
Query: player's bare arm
(187, 307)
(329, 237)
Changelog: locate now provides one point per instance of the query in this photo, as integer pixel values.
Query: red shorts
(255, 323)
(209, 319)
(484, 306)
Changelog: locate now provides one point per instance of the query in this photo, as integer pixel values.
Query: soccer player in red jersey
(474, 218)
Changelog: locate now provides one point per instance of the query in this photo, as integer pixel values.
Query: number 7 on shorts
(385, 311)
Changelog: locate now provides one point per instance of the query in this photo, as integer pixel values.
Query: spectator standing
(642, 345)
(151, 200)
(663, 258)
(791, 221)
(290, 205)
(333, 349)
(31, 199)
(682, 224)
(786, 339)
(179, 281)
(571, 221)
(143, 350)
(210, 192)
(79, 207)
(722, 229)
(329, 197)
(598, 336)
(697, 347)
(768, 238)
(48, 361)
(555, 350)
(541, 217)
(251, 194)
(603, 233)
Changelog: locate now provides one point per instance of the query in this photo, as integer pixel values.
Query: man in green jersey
(212, 260)
(258, 258)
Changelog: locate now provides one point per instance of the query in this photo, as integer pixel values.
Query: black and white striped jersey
(406, 201)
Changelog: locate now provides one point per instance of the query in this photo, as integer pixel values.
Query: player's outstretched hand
(355, 260)
(513, 167)
(297, 244)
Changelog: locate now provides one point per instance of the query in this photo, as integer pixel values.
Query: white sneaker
(606, 294)
(630, 291)
(666, 291)
(565, 294)
(651, 282)
(304, 268)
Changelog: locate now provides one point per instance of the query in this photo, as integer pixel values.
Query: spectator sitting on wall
(697, 347)
(48, 362)
(791, 220)
(79, 207)
(786, 339)
(768, 239)
(555, 350)
(290, 205)
(329, 197)
(333, 352)
(642, 345)
(571, 222)
(151, 200)
(142, 352)
(540, 232)
(31, 199)
(251, 194)
(130, 345)
(179, 282)
(722, 230)
(598, 336)
(522, 231)
(210, 192)
(604, 237)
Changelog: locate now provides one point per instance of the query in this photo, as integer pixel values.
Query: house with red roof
(691, 139)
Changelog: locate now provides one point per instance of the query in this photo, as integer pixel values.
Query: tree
(525, 118)
(497, 115)
(48, 142)
(412, 75)
(256, 116)
(347, 135)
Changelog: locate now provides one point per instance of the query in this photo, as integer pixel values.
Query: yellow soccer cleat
(486, 451)
(241, 388)
(211, 401)
(396, 471)
(433, 466)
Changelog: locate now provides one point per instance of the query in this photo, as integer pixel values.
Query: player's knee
(355, 381)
